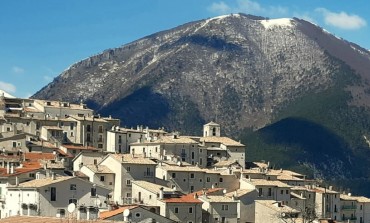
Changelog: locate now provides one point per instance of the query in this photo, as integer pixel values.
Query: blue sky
(39, 39)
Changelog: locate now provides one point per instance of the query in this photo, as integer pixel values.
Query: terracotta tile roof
(43, 182)
(107, 214)
(189, 198)
(99, 168)
(38, 219)
(130, 159)
(222, 140)
(27, 167)
(78, 147)
(38, 156)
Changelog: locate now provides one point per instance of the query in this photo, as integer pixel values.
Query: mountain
(257, 77)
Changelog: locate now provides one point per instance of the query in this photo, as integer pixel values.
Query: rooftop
(154, 188)
(43, 182)
(107, 214)
(217, 198)
(38, 219)
(132, 159)
(279, 208)
(239, 192)
(99, 168)
(222, 140)
(263, 182)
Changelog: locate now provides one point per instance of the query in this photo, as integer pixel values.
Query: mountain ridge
(242, 71)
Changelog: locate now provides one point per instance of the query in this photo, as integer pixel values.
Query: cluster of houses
(60, 160)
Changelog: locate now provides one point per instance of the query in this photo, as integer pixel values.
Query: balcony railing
(349, 207)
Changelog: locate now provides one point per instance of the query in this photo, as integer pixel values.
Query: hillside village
(60, 161)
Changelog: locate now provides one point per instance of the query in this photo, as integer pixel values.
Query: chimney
(161, 193)
(7, 168)
(195, 195)
(16, 181)
(53, 177)
(11, 168)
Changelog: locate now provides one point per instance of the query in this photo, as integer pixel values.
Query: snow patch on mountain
(270, 23)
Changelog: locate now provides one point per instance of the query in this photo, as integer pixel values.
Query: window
(190, 210)
(128, 169)
(61, 213)
(260, 192)
(221, 179)
(176, 210)
(53, 194)
(88, 128)
(138, 215)
(200, 161)
(71, 126)
(14, 144)
(71, 134)
(129, 135)
(32, 175)
(93, 192)
(100, 129)
(88, 137)
(100, 146)
(102, 178)
(287, 191)
(173, 175)
(270, 192)
(192, 155)
(208, 179)
(72, 187)
(191, 189)
(192, 175)
(282, 192)
(95, 161)
(128, 182)
(225, 207)
(72, 200)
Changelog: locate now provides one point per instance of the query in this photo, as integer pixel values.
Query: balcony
(349, 207)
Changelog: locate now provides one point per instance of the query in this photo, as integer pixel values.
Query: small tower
(211, 129)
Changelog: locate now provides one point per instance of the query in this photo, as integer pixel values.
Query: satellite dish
(71, 207)
(224, 191)
(126, 213)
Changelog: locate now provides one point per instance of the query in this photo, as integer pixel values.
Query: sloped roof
(222, 140)
(27, 167)
(107, 214)
(132, 159)
(44, 182)
(39, 219)
(99, 168)
(38, 156)
(154, 188)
